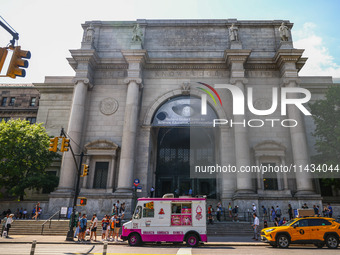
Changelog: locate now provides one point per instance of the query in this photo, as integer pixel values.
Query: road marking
(184, 251)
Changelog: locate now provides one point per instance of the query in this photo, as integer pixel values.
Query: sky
(49, 29)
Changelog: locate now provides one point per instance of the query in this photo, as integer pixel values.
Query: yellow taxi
(308, 230)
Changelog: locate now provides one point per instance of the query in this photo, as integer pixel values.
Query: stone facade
(109, 106)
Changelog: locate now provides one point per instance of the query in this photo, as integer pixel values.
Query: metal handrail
(49, 219)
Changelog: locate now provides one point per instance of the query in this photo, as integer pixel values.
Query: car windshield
(288, 223)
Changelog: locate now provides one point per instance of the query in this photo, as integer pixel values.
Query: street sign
(139, 189)
(136, 182)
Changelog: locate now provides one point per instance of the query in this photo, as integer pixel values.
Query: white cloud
(320, 62)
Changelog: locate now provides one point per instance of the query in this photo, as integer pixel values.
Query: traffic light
(65, 144)
(85, 170)
(3, 55)
(53, 144)
(17, 61)
(82, 201)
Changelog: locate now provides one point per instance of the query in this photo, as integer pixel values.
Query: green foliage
(326, 114)
(24, 156)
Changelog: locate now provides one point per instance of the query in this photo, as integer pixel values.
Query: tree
(24, 156)
(326, 114)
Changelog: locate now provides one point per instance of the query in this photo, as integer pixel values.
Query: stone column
(134, 58)
(299, 146)
(235, 59)
(111, 172)
(285, 178)
(74, 131)
(287, 60)
(227, 158)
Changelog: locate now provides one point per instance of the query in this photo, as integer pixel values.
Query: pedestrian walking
(290, 212)
(218, 213)
(230, 208)
(83, 226)
(330, 210)
(152, 191)
(105, 224)
(122, 210)
(9, 224)
(190, 192)
(37, 209)
(272, 213)
(235, 213)
(118, 224)
(4, 220)
(278, 212)
(264, 212)
(256, 226)
(94, 224)
(254, 208)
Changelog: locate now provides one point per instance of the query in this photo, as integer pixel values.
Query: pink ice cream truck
(167, 220)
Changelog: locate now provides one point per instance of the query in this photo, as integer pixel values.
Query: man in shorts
(82, 230)
(118, 225)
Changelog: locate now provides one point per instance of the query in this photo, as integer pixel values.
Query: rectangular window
(4, 101)
(33, 101)
(4, 119)
(181, 214)
(100, 175)
(12, 101)
(269, 179)
(32, 120)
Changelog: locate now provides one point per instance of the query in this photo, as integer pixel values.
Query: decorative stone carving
(284, 32)
(89, 37)
(233, 33)
(137, 34)
(108, 106)
(185, 88)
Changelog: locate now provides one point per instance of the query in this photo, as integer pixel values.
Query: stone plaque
(108, 106)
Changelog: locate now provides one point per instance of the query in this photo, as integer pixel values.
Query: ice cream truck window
(181, 214)
(137, 215)
(148, 210)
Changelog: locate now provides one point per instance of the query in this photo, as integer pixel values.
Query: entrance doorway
(174, 155)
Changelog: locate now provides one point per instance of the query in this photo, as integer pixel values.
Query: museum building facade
(134, 107)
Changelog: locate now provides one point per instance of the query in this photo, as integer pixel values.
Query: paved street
(164, 249)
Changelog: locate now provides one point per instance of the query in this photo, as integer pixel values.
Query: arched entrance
(184, 138)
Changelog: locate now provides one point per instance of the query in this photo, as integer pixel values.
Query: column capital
(86, 81)
(133, 79)
(234, 80)
(286, 81)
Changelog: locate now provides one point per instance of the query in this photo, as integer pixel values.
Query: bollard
(105, 248)
(34, 243)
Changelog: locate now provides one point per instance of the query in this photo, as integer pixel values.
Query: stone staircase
(32, 227)
(230, 229)
(61, 227)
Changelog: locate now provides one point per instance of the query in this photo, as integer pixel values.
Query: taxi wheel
(134, 239)
(283, 241)
(192, 240)
(332, 242)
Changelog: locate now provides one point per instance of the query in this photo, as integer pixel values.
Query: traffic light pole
(70, 233)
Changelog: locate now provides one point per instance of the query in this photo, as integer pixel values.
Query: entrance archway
(183, 137)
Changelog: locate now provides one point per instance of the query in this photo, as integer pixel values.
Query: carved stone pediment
(269, 148)
(101, 145)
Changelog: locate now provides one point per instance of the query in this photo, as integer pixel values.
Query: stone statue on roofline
(89, 36)
(137, 34)
(233, 33)
(284, 32)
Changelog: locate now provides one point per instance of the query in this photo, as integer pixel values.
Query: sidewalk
(213, 241)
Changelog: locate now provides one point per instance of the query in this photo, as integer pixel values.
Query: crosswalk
(83, 249)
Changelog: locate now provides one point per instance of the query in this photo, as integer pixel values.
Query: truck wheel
(332, 241)
(135, 240)
(192, 240)
(282, 241)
